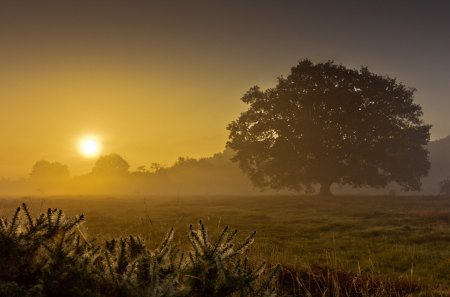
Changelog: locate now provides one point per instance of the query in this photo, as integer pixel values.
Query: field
(393, 236)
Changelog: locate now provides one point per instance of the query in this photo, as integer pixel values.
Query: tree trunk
(325, 189)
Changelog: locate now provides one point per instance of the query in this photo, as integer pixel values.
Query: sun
(89, 147)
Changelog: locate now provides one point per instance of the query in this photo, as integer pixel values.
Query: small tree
(111, 165)
(49, 170)
(325, 124)
(444, 186)
(45, 175)
(155, 167)
(141, 169)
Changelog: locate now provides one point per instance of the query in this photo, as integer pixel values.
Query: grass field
(407, 237)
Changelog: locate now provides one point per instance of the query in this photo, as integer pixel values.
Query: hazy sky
(158, 80)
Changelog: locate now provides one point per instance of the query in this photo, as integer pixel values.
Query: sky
(155, 80)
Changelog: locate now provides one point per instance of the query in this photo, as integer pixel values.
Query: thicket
(49, 256)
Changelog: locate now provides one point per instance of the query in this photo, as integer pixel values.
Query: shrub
(444, 186)
(49, 256)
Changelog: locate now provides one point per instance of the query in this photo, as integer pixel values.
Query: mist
(209, 176)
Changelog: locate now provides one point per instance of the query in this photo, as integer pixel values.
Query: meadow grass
(398, 237)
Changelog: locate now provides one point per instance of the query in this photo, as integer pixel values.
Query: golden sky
(143, 112)
(158, 80)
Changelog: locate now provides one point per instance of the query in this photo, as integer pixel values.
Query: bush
(50, 257)
(444, 186)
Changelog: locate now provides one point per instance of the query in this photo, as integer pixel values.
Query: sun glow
(89, 147)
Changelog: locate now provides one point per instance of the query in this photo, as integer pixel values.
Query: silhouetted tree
(155, 167)
(327, 124)
(47, 174)
(444, 186)
(141, 169)
(46, 169)
(111, 165)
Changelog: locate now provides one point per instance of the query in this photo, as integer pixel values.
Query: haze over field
(158, 80)
(215, 175)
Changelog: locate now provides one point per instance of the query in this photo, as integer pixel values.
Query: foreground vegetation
(49, 256)
(327, 246)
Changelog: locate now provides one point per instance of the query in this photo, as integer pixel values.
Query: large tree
(324, 124)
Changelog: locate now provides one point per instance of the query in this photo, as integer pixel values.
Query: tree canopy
(111, 165)
(49, 170)
(325, 123)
